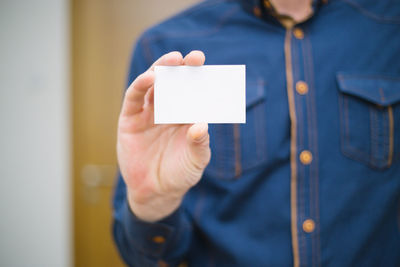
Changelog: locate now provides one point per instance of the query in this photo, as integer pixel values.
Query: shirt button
(162, 264)
(309, 226)
(305, 157)
(298, 33)
(159, 239)
(301, 87)
(267, 4)
(183, 264)
(257, 11)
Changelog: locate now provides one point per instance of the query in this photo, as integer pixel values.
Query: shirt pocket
(237, 148)
(370, 118)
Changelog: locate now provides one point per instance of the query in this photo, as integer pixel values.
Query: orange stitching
(218, 134)
(346, 118)
(293, 147)
(264, 136)
(374, 148)
(398, 215)
(341, 116)
(385, 138)
(256, 130)
(382, 95)
(238, 165)
(259, 126)
(391, 135)
(260, 89)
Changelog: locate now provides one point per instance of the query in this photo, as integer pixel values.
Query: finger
(171, 59)
(134, 95)
(198, 143)
(194, 58)
(198, 132)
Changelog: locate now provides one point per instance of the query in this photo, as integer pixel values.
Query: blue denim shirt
(313, 177)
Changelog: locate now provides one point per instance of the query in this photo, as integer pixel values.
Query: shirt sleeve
(140, 243)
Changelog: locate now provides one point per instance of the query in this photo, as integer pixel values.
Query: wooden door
(103, 34)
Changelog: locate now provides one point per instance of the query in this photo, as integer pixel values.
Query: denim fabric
(250, 206)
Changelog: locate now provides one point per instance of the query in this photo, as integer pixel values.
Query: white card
(191, 94)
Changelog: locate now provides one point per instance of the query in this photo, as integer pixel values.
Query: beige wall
(103, 33)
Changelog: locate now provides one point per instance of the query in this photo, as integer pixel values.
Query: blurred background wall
(63, 66)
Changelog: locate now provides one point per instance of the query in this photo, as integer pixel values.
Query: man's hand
(159, 163)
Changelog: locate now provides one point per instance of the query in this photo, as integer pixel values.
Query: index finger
(134, 95)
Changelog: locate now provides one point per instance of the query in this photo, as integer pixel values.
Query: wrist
(154, 209)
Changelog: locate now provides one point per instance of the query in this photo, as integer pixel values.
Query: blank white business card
(191, 94)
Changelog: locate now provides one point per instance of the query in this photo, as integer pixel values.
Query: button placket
(302, 85)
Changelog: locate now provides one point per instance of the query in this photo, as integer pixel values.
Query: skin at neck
(297, 9)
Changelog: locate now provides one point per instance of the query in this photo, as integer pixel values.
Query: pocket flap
(380, 89)
(254, 93)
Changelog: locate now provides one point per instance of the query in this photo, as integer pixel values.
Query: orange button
(305, 157)
(301, 87)
(267, 4)
(159, 239)
(308, 226)
(298, 33)
(162, 263)
(257, 11)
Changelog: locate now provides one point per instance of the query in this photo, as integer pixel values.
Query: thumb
(199, 145)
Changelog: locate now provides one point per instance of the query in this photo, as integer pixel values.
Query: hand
(159, 163)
